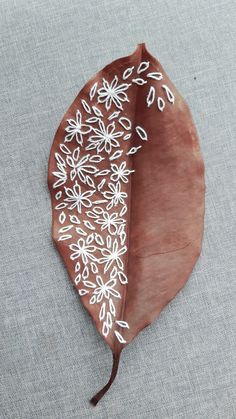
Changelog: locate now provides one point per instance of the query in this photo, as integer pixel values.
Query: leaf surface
(126, 178)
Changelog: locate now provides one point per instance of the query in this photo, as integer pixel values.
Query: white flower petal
(112, 307)
(139, 81)
(93, 90)
(120, 337)
(141, 133)
(122, 278)
(143, 66)
(151, 96)
(127, 73)
(89, 284)
(65, 237)
(155, 76)
(102, 311)
(86, 106)
(125, 122)
(169, 94)
(122, 323)
(62, 217)
(82, 292)
(160, 104)
(105, 329)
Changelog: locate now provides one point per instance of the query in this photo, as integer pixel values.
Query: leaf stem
(95, 399)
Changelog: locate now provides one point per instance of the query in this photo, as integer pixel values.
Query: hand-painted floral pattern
(77, 198)
(83, 249)
(111, 254)
(104, 290)
(93, 170)
(81, 167)
(111, 221)
(113, 93)
(76, 129)
(120, 172)
(105, 138)
(114, 195)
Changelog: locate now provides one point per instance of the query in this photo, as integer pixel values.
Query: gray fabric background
(52, 358)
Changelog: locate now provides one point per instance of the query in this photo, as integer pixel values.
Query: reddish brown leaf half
(126, 178)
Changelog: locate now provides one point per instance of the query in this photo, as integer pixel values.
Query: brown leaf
(126, 178)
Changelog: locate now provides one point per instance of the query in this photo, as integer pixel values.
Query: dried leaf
(149, 233)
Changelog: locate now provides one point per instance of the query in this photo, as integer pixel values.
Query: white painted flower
(106, 220)
(113, 93)
(83, 249)
(105, 138)
(104, 290)
(120, 172)
(112, 254)
(80, 167)
(76, 129)
(110, 221)
(78, 198)
(115, 196)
